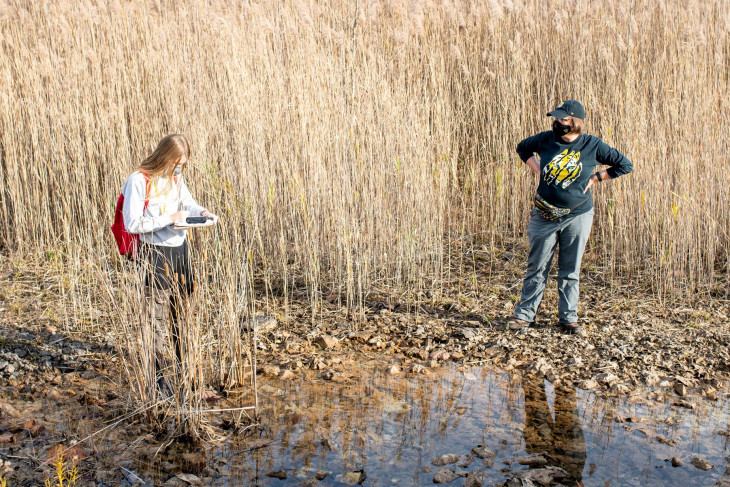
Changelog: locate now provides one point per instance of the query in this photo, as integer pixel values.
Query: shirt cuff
(165, 221)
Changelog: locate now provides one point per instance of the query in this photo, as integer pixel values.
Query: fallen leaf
(32, 427)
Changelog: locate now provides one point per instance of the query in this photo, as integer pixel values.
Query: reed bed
(347, 146)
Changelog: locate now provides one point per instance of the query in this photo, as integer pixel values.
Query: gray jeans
(569, 233)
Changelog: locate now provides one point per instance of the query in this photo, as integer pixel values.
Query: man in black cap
(564, 158)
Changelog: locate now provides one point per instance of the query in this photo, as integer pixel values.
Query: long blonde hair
(162, 161)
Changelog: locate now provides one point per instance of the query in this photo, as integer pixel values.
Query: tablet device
(196, 220)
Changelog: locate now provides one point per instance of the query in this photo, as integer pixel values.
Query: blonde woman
(156, 198)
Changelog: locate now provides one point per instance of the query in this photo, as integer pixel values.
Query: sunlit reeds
(346, 145)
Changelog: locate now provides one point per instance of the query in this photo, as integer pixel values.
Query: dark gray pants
(168, 283)
(570, 235)
(164, 336)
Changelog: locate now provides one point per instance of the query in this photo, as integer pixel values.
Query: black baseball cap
(569, 108)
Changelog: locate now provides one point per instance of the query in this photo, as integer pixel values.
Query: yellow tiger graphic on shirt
(564, 168)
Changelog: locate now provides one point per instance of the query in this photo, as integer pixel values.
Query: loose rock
(466, 461)
(651, 379)
(533, 461)
(702, 464)
(439, 355)
(190, 478)
(326, 341)
(474, 479)
(261, 324)
(175, 482)
(286, 375)
(418, 369)
(545, 476)
(271, 370)
(277, 474)
(445, 476)
(352, 478)
(518, 482)
(445, 460)
(482, 452)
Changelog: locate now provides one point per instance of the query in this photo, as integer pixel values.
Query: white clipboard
(184, 225)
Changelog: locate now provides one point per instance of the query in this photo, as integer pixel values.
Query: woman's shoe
(571, 328)
(517, 324)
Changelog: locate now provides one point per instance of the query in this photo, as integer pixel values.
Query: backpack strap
(147, 183)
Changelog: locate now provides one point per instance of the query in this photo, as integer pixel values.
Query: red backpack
(127, 243)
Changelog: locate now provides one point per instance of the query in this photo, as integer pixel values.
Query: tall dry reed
(346, 145)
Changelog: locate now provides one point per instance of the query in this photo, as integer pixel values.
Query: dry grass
(346, 145)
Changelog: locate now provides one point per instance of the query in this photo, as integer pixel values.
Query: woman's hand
(594, 179)
(210, 215)
(180, 216)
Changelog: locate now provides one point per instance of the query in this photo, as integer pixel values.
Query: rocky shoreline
(612, 357)
(615, 356)
(631, 348)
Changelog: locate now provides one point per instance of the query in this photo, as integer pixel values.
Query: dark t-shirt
(565, 167)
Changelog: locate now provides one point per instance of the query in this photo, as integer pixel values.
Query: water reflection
(561, 439)
(382, 430)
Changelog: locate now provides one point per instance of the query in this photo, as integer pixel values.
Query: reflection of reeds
(346, 145)
(359, 420)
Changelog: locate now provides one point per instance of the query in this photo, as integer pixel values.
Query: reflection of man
(562, 438)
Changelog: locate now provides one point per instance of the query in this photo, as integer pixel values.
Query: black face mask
(559, 129)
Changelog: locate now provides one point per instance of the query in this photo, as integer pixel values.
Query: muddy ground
(58, 385)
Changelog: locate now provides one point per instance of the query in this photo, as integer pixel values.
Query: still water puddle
(392, 428)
